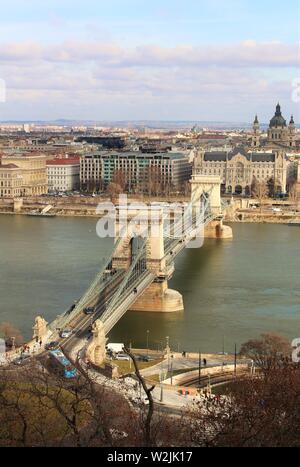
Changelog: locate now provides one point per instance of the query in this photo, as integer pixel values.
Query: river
(233, 290)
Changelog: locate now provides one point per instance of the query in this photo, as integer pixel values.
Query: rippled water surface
(233, 290)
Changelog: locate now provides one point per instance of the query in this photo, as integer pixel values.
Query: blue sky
(131, 59)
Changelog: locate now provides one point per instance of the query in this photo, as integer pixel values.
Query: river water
(233, 290)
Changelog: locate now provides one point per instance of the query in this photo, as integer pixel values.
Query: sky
(196, 60)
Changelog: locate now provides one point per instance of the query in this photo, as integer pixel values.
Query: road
(81, 325)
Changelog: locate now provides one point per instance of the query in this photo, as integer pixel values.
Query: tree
(119, 178)
(40, 408)
(148, 392)
(267, 352)
(260, 411)
(294, 194)
(154, 181)
(259, 191)
(114, 190)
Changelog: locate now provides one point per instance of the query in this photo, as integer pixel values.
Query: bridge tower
(135, 225)
(207, 186)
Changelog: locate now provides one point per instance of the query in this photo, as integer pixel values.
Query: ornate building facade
(34, 172)
(279, 133)
(240, 168)
(11, 181)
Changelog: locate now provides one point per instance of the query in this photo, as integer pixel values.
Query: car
(122, 356)
(52, 345)
(89, 310)
(22, 359)
(66, 333)
(143, 358)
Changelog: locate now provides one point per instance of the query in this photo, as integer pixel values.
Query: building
(240, 168)
(279, 133)
(11, 181)
(134, 171)
(63, 174)
(34, 172)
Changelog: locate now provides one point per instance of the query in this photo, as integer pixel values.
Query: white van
(122, 356)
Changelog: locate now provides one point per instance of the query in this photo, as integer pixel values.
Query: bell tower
(256, 133)
(292, 133)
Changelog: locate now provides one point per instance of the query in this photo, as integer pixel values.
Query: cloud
(246, 54)
(105, 80)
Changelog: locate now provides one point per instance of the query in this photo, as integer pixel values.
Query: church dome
(277, 120)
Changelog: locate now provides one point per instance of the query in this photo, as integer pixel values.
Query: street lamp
(161, 386)
(148, 342)
(130, 357)
(235, 358)
(200, 358)
(172, 356)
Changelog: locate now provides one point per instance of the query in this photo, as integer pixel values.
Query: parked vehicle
(52, 345)
(143, 358)
(66, 333)
(122, 356)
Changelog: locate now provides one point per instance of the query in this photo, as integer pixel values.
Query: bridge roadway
(81, 324)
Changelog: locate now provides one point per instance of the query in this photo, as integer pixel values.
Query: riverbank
(89, 206)
(266, 217)
(78, 206)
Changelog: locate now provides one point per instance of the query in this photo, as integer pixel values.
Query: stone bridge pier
(209, 186)
(135, 225)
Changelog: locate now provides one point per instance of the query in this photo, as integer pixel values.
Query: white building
(63, 174)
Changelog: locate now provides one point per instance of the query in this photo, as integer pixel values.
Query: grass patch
(155, 377)
(124, 365)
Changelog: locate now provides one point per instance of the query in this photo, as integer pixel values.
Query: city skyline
(202, 61)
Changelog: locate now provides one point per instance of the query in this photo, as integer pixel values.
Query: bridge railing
(128, 297)
(96, 287)
(137, 267)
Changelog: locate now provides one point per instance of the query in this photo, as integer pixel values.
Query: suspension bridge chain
(188, 224)
(132, 276)
(101, 280)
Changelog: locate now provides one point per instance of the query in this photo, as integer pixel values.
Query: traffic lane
(83, 323)
(183, 364)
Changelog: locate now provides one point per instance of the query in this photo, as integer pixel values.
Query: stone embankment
(75, 206)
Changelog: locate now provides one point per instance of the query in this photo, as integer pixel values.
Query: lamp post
(167, 344)
(130, 357)
(235, 358)
(148, 342)
(199, 380)
(161, 387)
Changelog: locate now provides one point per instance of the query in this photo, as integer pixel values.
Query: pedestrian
(41, 342)
(204, 361)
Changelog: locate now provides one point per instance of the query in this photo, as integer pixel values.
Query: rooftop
(66, 161)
